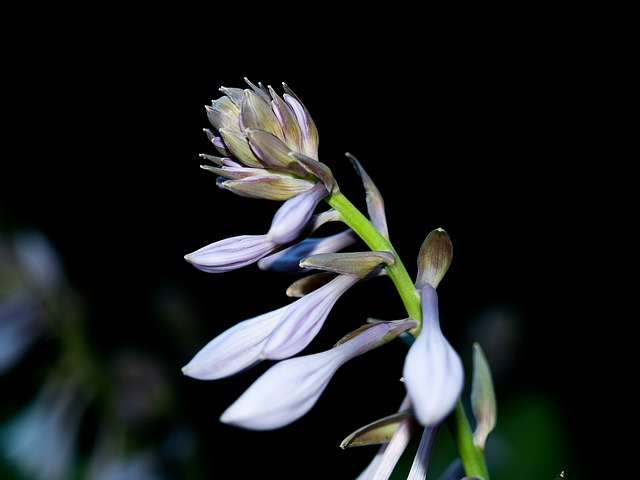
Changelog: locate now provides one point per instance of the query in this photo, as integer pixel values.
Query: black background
(502, 139)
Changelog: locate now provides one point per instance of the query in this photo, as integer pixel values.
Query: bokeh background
(489, 139)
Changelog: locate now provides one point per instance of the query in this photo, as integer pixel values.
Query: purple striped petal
(304, 318)
(231, 253)
(235, 349)
(293, 215)
(290, 388)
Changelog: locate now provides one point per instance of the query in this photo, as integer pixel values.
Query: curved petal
(223, 113)
(290, 388)
(235, 349)
(292, 217)
(256, 112)
(266, 187)
(307, 126)
(304, 318)
(231, 253)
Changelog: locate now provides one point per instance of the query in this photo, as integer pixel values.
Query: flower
(302, 321)
(231, 253)
(290, 388)
(433, 371)
(235, 349)
(294, 214)
(274, 335)
(268, 143)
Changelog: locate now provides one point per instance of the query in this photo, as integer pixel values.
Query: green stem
(377, 242)
(471, 456)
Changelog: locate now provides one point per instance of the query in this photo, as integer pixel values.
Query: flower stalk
(397, 272)
(471, 456)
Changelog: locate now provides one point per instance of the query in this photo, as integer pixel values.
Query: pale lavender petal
(383, 464)
(304, 318)
(292, 217)
(288, 260)
(308, 128)
(235, 349)
(433, 371)
(420, 464)
(290, 388)
(231, 253)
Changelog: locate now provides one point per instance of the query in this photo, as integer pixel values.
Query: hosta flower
(235, 349)
(290, 388)
(268, 143)
(231, 253)
(289, 222)
(433, 371)
(420, 464)
(304, 318)
(294, 214)
(274, 335)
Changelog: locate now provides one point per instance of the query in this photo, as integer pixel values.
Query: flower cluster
(267, 148)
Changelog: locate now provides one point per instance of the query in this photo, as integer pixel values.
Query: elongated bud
(377, 432)
(434, 258)
(358, 264)
(483, 398)
(375, 202)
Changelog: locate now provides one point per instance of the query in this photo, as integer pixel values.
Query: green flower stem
(377, 242)
(471, 456)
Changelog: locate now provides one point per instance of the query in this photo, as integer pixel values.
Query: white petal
(433, 371)
(284, 393)
(231, 253)
(304, 318)
(235, 349)
(290, 388)
(420, 464)
(293, 215)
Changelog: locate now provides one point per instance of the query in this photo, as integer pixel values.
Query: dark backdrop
(493, 141)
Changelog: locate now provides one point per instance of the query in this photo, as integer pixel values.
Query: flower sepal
(358, 264)
(377, 432)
